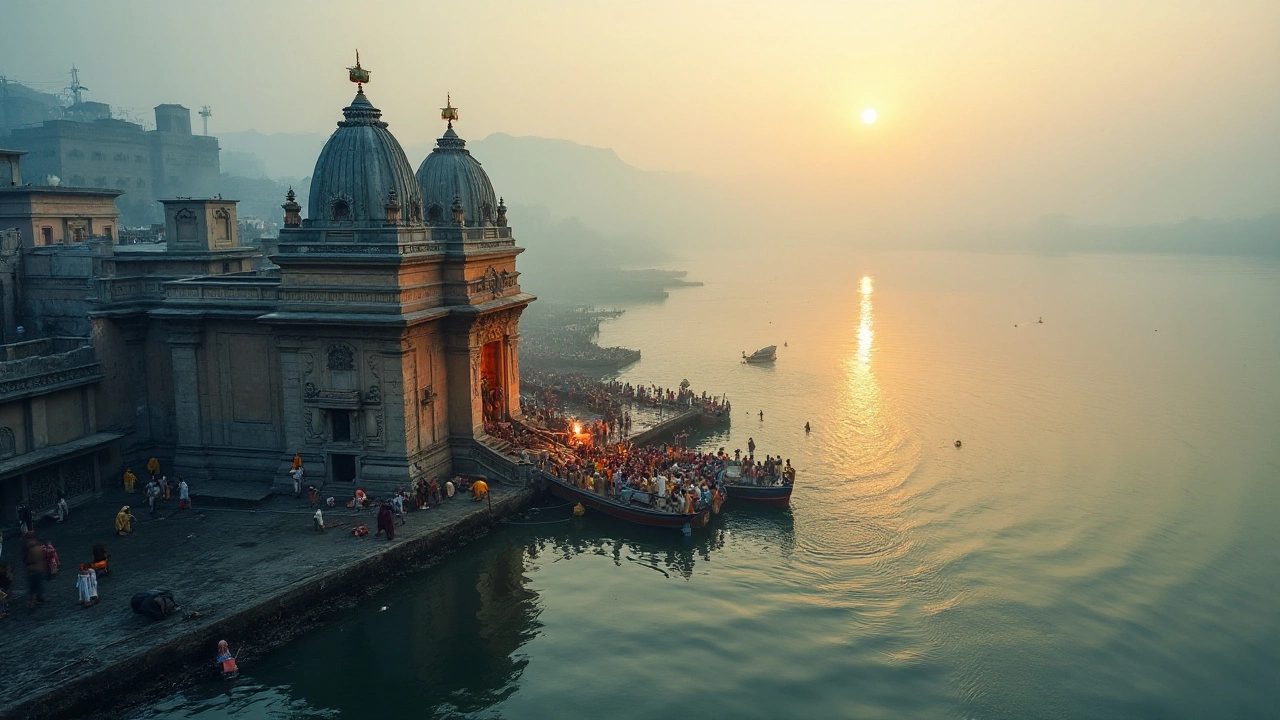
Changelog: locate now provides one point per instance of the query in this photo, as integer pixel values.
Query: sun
(869, 116)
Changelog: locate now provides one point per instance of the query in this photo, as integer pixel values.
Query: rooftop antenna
(358, 75)
(76, 88)
(448, 112)
(205, 112)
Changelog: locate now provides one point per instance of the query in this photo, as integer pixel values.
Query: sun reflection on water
(865, 322)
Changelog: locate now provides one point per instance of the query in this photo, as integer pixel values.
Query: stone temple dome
(451, 172)
(357, 171)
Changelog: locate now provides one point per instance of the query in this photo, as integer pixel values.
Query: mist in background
(640, 132)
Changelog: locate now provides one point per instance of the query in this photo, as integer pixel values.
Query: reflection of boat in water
(763, 355)
(769, 491)
(638, 508)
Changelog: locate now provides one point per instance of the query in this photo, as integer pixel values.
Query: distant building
(47, 215)
(145, 166)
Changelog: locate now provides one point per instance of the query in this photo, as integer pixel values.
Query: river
(1104, 544)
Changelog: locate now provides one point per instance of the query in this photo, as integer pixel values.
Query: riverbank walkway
(238, 567)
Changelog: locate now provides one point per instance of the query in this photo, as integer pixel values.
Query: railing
(129, 289)
(250, 288)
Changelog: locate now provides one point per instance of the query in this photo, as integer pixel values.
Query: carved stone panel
(77, 474)
(42, 487)
(8, 446)
(341, 357)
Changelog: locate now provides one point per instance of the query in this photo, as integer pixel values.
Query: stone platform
(247, 571)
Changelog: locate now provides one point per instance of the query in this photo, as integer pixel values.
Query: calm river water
(1105, 544)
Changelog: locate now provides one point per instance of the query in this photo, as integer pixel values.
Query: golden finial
(449, 112)
(357, 74)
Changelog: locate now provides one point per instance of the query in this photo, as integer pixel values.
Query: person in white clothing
(297, 474)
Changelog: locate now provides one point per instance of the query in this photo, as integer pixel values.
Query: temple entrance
(491, 385)
(344, 467)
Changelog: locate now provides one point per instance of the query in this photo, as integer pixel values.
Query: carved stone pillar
(512, 397)
(462, 370)
(291, 368)
(184, 342)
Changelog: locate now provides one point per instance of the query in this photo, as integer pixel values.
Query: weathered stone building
(377, 341)
(46, 215)
(49, 436)
(145, 166)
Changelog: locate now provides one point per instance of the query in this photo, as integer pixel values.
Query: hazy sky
(991, 112)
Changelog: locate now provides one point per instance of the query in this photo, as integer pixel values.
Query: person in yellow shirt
(153, 467)
(479, 489)
(129, 480)
(124, 521)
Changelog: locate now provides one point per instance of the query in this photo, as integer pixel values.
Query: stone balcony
(36, 367)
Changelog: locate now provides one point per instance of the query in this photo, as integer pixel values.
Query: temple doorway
(491, 385)
(344, 467)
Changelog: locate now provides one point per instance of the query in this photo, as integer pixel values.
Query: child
(397, 504)
(226, 661)
(87, 584)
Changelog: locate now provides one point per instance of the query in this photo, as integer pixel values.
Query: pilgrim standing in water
(226, 661)
(153, 467)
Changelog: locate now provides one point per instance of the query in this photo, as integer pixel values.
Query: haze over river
(1106, 543)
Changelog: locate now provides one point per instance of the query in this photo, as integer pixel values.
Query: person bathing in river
(226, 661)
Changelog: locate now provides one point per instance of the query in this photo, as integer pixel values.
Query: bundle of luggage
(155, 604)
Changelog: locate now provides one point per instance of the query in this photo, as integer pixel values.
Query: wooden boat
(738, 487)
(763, 355)
(638, 510)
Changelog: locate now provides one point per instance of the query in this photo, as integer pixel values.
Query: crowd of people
(547, 394)
(665, 477)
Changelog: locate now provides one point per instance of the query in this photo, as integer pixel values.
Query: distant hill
(282, 156)
(596, 186)
(1251, 237)
(570, 180)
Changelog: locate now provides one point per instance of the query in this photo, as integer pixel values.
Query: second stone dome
(451, 172)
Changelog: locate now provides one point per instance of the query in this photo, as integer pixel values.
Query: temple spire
(449, 112)
(358, 75)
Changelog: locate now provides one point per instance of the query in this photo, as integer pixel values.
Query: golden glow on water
(865, 322)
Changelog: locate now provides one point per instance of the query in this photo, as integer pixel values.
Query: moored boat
(763, 355)
(638, 509)
(768, 491)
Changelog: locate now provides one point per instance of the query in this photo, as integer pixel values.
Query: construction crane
(205, 113)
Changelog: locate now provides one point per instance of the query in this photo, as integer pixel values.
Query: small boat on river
(768, 491)
(639, 508)
(763, 355)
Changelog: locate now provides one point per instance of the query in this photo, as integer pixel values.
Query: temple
(375, 336)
